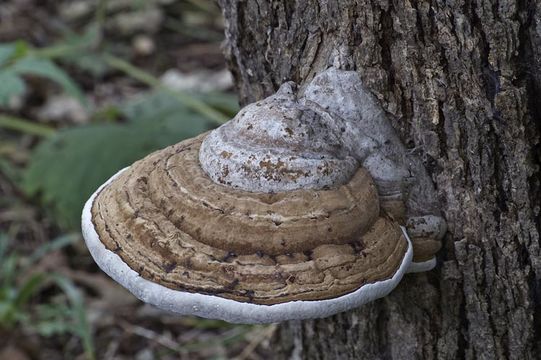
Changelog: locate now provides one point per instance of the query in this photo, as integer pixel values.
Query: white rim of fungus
(214, 307)
(422, 266)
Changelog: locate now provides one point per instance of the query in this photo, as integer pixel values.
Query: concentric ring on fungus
(170, 223)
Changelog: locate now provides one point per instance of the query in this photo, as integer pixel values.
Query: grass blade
(77, 304)
(56, 244)
(30, 287)
(25, 126)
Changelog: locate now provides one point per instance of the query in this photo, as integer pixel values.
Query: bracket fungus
(304, 205)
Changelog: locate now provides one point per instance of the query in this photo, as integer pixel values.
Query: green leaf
(66, 168)
(86, 57)
(146, 107)
(6, 52)
(3, 247)
(13, 174)
(8, 270)
(89, 62)
(10, 85)
(48, 69)
(224, 102)
(89, 38)
(163, 102)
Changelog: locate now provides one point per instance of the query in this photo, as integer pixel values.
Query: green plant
(18, 60)
(19, 285)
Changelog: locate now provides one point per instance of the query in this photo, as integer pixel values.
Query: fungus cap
(176, 239)
(270, 217)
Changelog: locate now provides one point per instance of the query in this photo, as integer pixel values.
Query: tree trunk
(461, 81)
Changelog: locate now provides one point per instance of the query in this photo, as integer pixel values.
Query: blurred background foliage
(86, 88)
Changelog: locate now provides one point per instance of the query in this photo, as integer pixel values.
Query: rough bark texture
(462, 82)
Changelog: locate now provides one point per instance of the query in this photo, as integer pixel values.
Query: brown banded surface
(174, 226)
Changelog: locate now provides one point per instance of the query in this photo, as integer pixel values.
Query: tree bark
(461, 81)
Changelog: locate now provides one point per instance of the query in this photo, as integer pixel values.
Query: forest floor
(87, 87)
